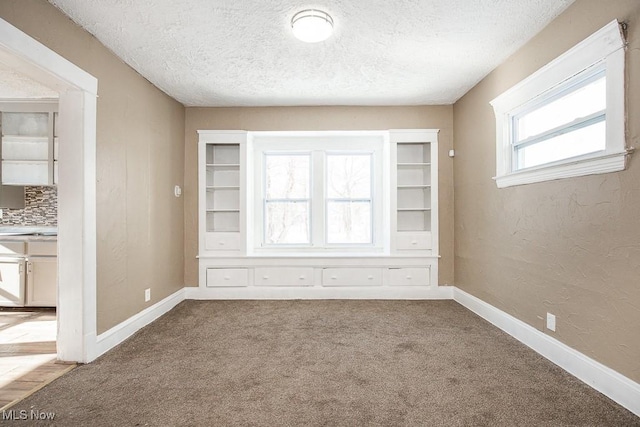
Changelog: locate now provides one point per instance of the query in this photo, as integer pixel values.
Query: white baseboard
(319, 292)
(114, 336)
(612, 384)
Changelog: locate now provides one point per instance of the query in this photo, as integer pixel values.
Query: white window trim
(375, 142)
(606, 46)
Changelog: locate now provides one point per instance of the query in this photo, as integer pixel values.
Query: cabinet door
(27, 145)
(42, 281)
(12, 282)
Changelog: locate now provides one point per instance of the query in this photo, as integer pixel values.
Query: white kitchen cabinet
(29, 155)
(12, 277)
(42, 278)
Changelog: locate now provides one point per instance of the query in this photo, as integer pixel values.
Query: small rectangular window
(567, 119)
(569, 122)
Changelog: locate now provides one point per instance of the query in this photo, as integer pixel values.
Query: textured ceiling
(14, 85)
(382, 52)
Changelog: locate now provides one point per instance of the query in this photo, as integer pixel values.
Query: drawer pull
(414, 242)
(333, 277)
(221, 243)
(265, 277)
(370, 277)
(301, 278)
(408, 277)
(227, 278)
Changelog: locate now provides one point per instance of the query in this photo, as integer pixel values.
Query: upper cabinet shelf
(29, 154)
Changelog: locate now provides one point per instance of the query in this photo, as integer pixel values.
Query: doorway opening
(76, 186)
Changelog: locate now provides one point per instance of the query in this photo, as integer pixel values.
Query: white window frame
(602, 50)
(319, 143)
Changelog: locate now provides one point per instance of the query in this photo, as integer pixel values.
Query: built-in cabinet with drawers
(407, 266)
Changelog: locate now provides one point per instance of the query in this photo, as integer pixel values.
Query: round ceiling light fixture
(312, 25)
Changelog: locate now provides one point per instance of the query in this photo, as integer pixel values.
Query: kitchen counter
(27, 233)
(27, 238)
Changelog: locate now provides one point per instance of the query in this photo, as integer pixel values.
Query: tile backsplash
(40, 208)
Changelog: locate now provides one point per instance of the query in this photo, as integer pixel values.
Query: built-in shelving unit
(405, 267)
(222, 195)
(415, 190)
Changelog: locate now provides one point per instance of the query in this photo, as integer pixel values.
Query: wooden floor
(27, 353)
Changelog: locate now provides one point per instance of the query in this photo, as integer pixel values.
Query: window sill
(590, 166)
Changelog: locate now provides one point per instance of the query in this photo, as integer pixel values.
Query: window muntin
(287, 200)
(566, 123)
(349, 198)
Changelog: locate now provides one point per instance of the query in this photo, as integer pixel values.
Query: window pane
(349, 176)
(286, 223)
(582, 102)
(582, 141)
(25, 124)
(287, 176)
(349, 222)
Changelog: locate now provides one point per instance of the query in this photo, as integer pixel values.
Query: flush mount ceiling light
(312, 25)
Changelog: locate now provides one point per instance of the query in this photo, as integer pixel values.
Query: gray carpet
(323, 363)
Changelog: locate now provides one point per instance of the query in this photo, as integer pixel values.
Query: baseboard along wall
(612, 384)
(114, 336)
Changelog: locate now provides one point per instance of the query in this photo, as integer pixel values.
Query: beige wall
(570, 247)
(140, 152)
(319, 118)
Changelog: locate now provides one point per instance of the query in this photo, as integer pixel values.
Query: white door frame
(76, 189)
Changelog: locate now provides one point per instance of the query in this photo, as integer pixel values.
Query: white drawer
(42, 248)
(217, 277)
(287, 276)
(352, 277)
(416, 276)
(222, 241)
(419, 240)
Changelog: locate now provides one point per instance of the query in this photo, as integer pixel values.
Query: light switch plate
(147, 295)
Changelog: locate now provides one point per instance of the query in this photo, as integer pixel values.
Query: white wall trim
(319, 292)
(589, 166)
(612, 384)
(77, 188)
(114, 336)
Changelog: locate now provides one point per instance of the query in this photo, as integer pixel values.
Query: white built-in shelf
(223, 187)
(414, 190)
(223, 210)
(224, 165)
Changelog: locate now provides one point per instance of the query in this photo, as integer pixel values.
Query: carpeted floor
(330, 363)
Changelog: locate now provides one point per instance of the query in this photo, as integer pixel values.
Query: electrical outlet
(147, 295)
(551, 322)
